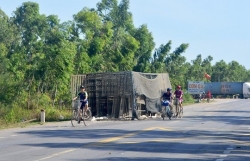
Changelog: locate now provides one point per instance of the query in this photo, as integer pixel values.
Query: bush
(13, 115)
(16, 114)
(52, 114)
(187, 97)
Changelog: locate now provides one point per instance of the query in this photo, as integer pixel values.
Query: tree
(199, 67)
(93, 38)
(8, 33)
(8, 38)
(207, 65)
(57, 64)
(196, 71)
(176, 66)
(44, 60)
(159, 58)
(142, 56)
(220, 72)
(118, 14)
(247, 79)
(120, 52)
(237, 72)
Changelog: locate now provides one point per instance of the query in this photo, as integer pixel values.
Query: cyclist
(83, 95)
(168, 96)
(178, 94)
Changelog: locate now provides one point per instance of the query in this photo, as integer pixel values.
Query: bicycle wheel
(74, 118)
(181, 112)
(163, 113)
(163, 116)
(169, 113)
(177, 108)
(86, 117)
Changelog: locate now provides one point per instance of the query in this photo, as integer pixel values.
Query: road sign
(195, 87)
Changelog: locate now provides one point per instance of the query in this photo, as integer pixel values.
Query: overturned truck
(123, 94)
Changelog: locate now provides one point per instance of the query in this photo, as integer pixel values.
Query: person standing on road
(209, 94)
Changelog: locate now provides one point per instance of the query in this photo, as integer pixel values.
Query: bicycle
(166, 111)
(78, 116)
(179, 109)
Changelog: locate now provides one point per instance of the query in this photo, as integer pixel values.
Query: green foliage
(220, 72)
(38, 54)
(55, 114)
(15, 114)
(8, 31)
(9, 116)
(52, 114)
(187, 98)
(43, 100)
(143, 54)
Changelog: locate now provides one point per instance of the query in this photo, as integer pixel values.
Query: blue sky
(220, 28)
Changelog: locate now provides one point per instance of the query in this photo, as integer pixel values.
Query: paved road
(216, 131)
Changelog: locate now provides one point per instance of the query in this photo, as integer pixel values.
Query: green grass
(12, 117)
(4, 125)
(188, 99)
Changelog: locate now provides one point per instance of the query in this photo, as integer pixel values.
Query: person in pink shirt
(178, 94)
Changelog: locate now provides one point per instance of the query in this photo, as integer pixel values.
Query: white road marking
(244, 134)
(230, 148)
(56, 154)
(1, 137)
(223, 155)
(226, 151)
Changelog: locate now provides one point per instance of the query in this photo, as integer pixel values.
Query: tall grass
(14, 114)
(188, 99)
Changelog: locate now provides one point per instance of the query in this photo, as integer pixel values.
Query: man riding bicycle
(83, 95)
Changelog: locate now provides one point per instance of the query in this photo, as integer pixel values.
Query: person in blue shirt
(168, 96)
(83, 96)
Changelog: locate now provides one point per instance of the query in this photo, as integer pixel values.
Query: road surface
(215, 131)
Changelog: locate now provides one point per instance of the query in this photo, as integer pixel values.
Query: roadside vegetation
(15, 116)
(39, 53)
(188, 99)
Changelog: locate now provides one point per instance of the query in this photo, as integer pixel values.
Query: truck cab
(246, 90)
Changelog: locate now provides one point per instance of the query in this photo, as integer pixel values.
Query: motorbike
(166, 111)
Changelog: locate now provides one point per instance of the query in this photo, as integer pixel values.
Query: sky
(217, 28)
